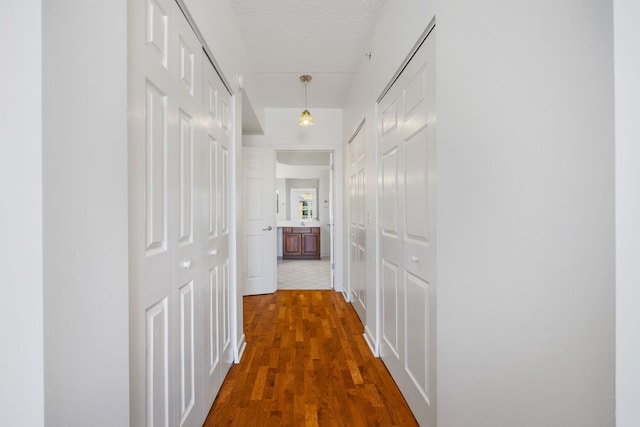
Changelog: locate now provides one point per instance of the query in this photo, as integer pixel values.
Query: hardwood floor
(307, 364)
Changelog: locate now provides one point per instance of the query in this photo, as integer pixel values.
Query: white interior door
(407, 150)
(218, 353)
(180, 342)
(152, 216)
(357, 228)
(260, 220)
(185, 147)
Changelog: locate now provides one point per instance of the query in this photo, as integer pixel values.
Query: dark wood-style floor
(307, 364)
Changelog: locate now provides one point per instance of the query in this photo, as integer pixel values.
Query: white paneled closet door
(357, 228)
(218, 351)
(180, 341)
(407, 150)
(188, 280)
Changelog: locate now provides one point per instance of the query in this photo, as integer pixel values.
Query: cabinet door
(311, 244)
(292, 244)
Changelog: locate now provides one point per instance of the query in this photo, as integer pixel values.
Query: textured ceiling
(324, 38)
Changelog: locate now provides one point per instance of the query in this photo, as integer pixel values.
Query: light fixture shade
(305, 119)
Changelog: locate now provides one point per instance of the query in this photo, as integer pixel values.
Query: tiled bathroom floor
(304, 274)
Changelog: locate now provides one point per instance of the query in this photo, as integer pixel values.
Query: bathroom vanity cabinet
(301, 243)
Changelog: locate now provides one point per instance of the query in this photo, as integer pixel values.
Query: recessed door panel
(226, 320)
(212, 169)
(362, 295)
(390, 195)
(360, 198)
(212, 298)
(353, 271)
(353, 205)
(157, 364)
(390, 118)
(390, 306)
(186, 186)
(187, 66)
(156, 170)
(212, 105)
(414, 94)
(187, 350)
(224, 190)
(417, 333)
(157, 30)
(225, 116)
(415, 208)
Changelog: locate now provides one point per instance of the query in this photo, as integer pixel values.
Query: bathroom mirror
(303, 203)
(297, 199)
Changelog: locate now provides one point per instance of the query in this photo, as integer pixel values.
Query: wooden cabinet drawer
(301, 230)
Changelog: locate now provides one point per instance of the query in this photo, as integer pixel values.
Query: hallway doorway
(304, 210)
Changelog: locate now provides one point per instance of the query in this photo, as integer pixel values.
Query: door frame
(332, 192)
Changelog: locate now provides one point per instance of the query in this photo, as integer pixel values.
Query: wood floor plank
(307, 364)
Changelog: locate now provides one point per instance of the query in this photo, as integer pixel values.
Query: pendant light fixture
(305, 118)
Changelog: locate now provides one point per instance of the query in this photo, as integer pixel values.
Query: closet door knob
(269, 228)
(414, 258)
(186, 264)
(213, 252)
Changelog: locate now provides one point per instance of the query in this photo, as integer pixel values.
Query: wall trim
(407, 59)
(205, 46)
(355, 133)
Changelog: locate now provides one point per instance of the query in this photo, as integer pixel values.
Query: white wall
(627, 105)
(282, 132)
(526, 253)
(86, 307)
(525, 204)
(21, 357)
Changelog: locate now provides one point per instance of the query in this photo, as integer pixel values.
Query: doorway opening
(304, 212)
